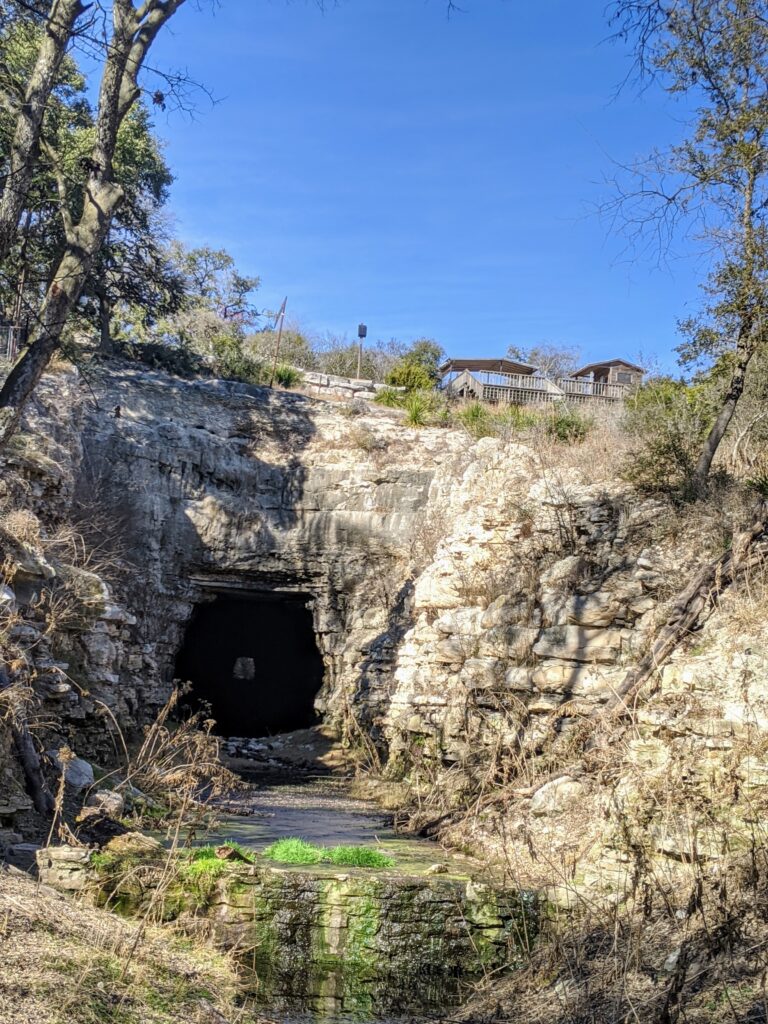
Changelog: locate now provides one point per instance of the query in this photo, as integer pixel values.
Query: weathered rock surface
(380, 923)
(465, 594)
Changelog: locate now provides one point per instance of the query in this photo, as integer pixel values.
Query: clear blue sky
(430, 176)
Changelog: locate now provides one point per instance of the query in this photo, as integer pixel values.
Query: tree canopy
(714, 184)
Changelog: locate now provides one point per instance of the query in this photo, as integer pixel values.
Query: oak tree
(714, 184)
(135, 25)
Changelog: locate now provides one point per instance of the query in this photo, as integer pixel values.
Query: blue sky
(430, 176)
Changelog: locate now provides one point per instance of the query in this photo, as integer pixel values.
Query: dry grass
(65, 963)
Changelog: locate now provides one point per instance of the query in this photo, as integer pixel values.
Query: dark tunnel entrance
(255, 661)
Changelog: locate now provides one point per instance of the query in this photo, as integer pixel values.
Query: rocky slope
(476, 603)
(468, 597)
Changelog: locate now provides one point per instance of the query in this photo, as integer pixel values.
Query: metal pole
(362, 331)
(281, 318)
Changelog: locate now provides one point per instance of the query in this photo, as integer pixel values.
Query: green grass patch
(299, 851)
(359, 857)
(294, 851)
(201, 861)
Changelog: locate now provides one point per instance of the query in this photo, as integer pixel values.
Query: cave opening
(253, 659)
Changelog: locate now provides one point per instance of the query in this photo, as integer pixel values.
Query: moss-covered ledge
(368, 921)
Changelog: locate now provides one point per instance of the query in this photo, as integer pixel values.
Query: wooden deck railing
(517, 388)
(578, 388)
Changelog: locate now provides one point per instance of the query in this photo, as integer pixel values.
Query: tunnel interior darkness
(255, 661)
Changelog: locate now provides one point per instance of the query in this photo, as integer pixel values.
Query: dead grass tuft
(68, 963)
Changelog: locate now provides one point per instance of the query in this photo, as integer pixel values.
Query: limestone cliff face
(219, 487)
(459, 589)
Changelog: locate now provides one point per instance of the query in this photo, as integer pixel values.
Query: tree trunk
(744, 354)
(687, 611)
(106, 347)
(133, 32)
(57, 33)
(61, 297)
(28, 756)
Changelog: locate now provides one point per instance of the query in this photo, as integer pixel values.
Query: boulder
(598, 609)
(482, 673)
(557, 796)
(22, 855)
(133, 843)
(78, 774)
(107, 800)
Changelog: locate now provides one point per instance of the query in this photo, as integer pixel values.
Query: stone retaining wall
(341, 387)
(361, 926)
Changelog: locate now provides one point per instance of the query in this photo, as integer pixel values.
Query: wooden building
(509, 382)
(496, 380)
(611, 379)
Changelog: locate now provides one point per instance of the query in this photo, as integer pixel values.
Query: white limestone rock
(556, 796)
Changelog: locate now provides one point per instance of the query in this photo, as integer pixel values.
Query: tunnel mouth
(253, 663)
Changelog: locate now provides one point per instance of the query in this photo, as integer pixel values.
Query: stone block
(450, 651)
(78, 774)
(22, 855)
(579, 643)
(575, 679)
(518, 679)
(599, 609)
(482, 673)
(501, 612)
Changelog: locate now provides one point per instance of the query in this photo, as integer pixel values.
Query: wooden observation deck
(504, 381)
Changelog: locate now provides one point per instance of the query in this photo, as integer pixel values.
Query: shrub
(477, 419)
(366, 440)
(288, 376)
(668, 421)
(515, 417)
(418, 406)
(232, 363)
(758, 480)
(410, 375)
(390, 398)
(568, 426)
(178, 360)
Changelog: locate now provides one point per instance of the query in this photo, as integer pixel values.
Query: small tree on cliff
(419, 366)
(134, 28)
(716, 53)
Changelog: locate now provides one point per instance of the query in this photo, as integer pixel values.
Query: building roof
(488, 365)
(606, 363)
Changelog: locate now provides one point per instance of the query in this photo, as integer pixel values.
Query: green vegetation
(418, 367)
(390, 398)
(410, 376)
(359, 857)
(202, 861)
(568, 426)
(232, 363)
(480, 419)
(477, 419)
(299, 851)
(668, 421)
(287, 376)
(294, 851)
(418, 408)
